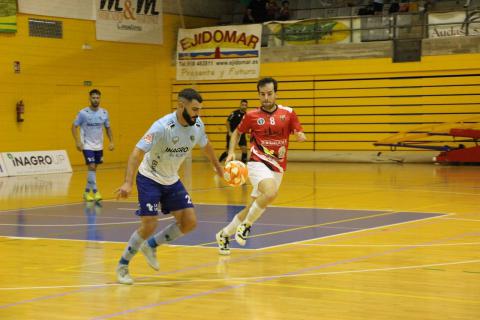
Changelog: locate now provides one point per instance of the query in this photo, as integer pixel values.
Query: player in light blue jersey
(91, 121)
(163, 149)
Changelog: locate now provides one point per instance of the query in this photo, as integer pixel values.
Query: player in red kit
(269, 127)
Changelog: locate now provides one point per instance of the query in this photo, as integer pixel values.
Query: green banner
(8, 15)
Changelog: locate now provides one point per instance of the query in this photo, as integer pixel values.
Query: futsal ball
(235, 173)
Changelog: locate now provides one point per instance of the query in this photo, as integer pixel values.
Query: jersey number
(272, 120)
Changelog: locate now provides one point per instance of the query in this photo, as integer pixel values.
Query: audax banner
(217, 53)
(36, 162)
(138, 21)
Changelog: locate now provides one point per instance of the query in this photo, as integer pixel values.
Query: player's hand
(301, 137)
(79, 146)
(111, 146)
(230, 157)
(124, 190)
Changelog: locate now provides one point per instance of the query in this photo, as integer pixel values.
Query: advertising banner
(303, 32)
(452, 24)
(36, 162)
(138, 21)
(8, 15)
(217, 53)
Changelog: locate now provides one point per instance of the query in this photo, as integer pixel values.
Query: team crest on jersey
(282, 117)
(192, 138)
(175, 139)
(261, 121)
(148, 138)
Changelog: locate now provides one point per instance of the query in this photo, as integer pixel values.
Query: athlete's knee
(148, 226)
(270, 195)
(188, 223)
(92, 167)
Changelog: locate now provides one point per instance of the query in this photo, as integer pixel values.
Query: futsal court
(348, 241)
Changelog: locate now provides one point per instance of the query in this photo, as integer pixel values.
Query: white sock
(254, 213)
(132, 248)
(232, 226)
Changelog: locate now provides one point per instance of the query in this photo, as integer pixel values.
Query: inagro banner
(302, 32)
(138, 21)
(36, 162)
(8, 15)
(216, 53)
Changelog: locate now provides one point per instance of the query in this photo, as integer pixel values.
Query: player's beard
(191, 121)
(268, 105)
(94, 104)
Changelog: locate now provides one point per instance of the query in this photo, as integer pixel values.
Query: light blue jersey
(91, 125)
(167, 143)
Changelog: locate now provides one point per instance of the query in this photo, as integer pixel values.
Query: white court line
(461, 219)
(392, 245)
(247, 278)
(43, 207)
(76, 225)
(349, 232)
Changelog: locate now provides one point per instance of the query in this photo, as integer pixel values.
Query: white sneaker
(242, 233)
(123, 276)
(151, 255)
(223, 243)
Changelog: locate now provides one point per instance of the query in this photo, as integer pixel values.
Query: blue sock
(92, 180)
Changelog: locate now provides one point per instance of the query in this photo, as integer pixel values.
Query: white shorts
(257, 172)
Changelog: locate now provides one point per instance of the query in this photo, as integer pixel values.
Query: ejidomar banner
(8, 15)
(138, 21)
(303, 32)
(216, 53)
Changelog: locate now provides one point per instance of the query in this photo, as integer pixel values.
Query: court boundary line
(258, 278)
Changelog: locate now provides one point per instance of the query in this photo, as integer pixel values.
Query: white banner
(76, 9)
(36, 162)
(3, 169)
(217, 53)
(138, 21)
(461, 24)
(50, 185)
(302, 32)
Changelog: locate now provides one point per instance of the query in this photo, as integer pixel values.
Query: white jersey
(167, 143)
(91, 124)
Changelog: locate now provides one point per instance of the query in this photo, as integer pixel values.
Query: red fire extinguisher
(20, 111)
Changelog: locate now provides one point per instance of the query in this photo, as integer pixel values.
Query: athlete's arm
(301, 137)
(233, 142)
(210, 153)
(110, 137)
(78, 143)
(133, 162)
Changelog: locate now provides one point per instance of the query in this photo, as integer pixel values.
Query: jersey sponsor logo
(192, 138)
(175, 139)
(148, 138)
(260, 121)
(282, 117)
(280, 142)
(175, 150)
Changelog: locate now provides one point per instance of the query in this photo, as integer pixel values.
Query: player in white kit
(163, 149)
(91, 121)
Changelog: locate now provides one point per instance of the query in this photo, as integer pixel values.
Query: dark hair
(285, 2)
(264, 81)
(95, 91)
(190, 94)
(244, 100)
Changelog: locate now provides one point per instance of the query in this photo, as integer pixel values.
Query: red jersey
(269, 134)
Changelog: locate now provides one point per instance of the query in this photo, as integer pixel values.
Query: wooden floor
(422, 269)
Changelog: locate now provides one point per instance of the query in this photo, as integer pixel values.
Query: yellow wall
(348, 105)
(133, 78)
